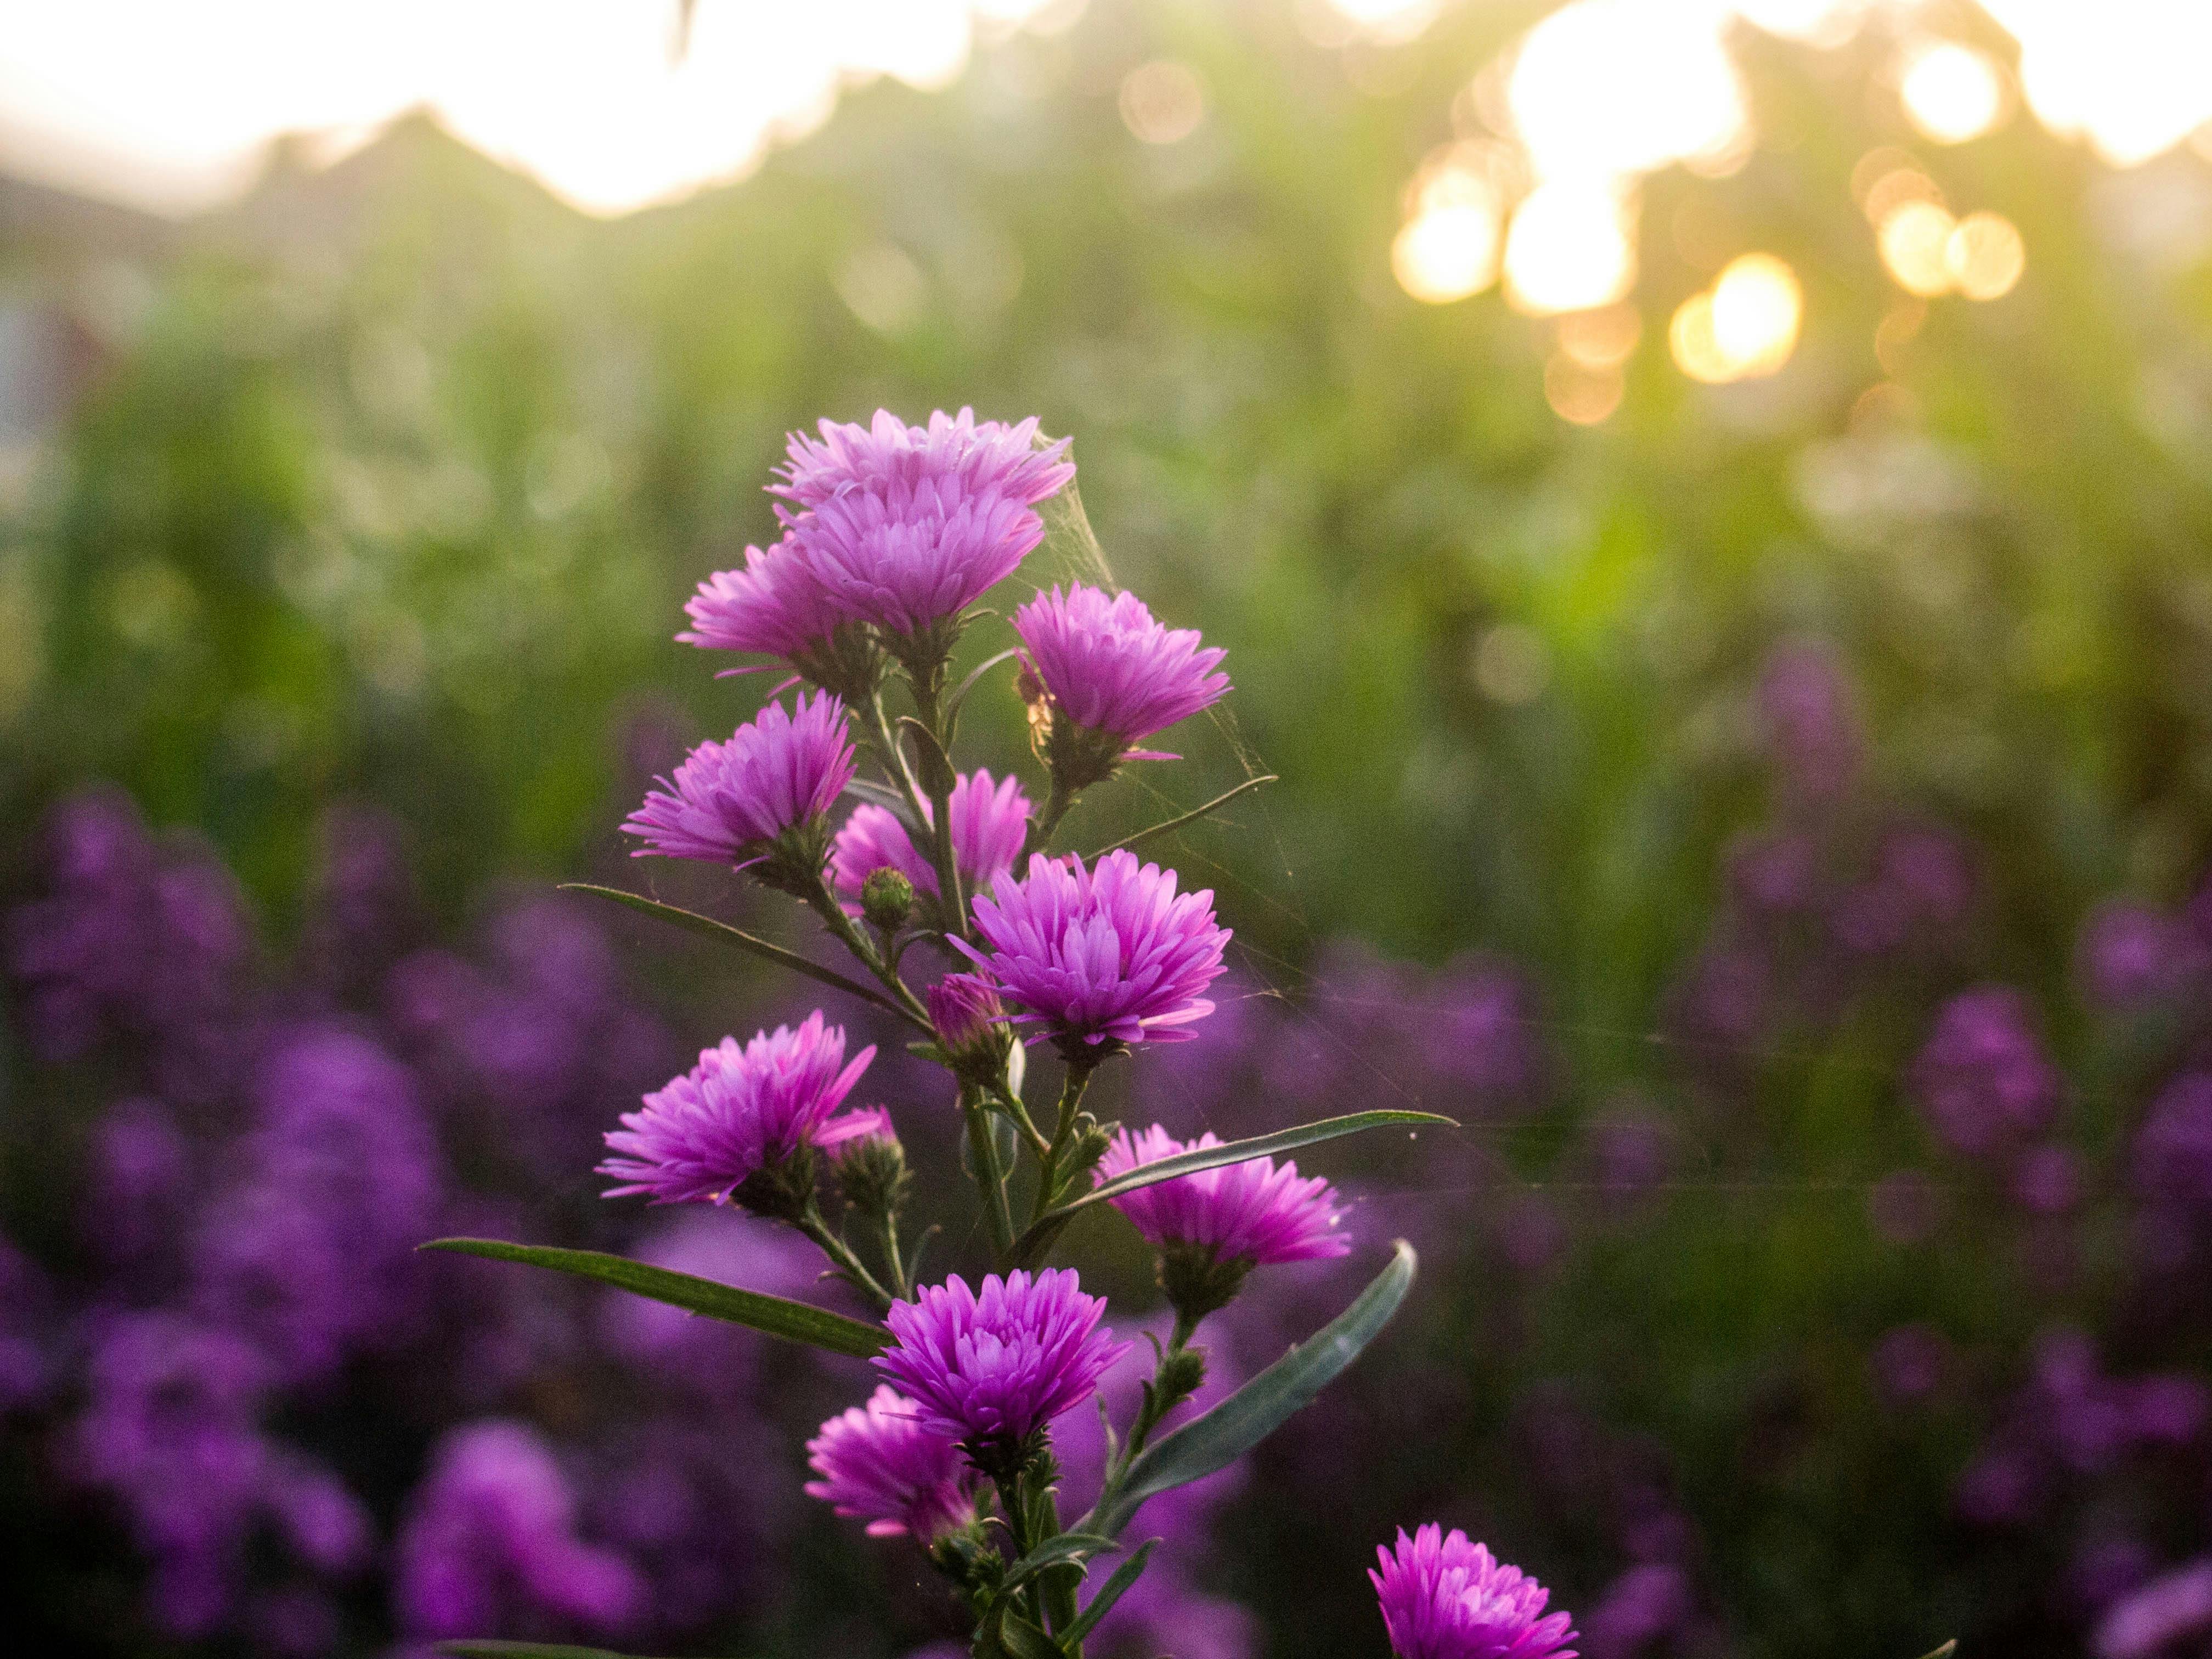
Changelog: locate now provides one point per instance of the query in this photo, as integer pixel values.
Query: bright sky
(168, 104)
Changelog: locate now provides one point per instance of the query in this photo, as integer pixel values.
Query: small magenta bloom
(1108, 953)
(1251, 1211)
(989, 821)
(776, 606)
(880, 1462)
(1982, 1077)
(1445, 1598)
(991, 1369)
(762, 795)
(741, 1112)
(983, 456)
(971, 1026)
(1102, 665)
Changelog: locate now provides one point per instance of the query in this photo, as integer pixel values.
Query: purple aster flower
(488, 1542)
(1218, 1224)
(1982, 1077)
(762, 795)
(1445, 1598)
(1110, 953)
(989, 823)
(1105, 674)
(991, 1369)
(910, 558)
(881, 1462)
(777, 606)
(982, 455)
(741, 1112)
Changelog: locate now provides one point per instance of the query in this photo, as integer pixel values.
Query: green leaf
(795, 1321)
(1181, 819)
(1109, 1593)
(1068, 1547)
(975, 677)
(1249, 1416)
(723, 934)
(1023, 1640)
(1048, 1225)
(524, 1651)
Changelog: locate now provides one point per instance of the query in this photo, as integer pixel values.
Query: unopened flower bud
(1181, 1372)
(1199, 1282)
(872, 1175)
(886, 899)
(971, 1027)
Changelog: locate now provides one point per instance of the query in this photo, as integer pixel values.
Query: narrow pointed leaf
(1191, 817)
(1049, 1225)
(722, 932)
(882, 794)
(1068, 1546)
(523, 1650)
(1249, 1416)
(1945, 1651)
(1109, 1593)
(776, 1315)
(975, 677)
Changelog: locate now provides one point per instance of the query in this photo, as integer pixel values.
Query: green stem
(1057, 800)
(952, 897)
(983, 1149)
(848, 1265)
(1063, 1128)
(842, 928)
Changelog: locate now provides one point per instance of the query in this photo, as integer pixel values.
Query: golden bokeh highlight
(1569, 249)
(1161, 102)
(1579, 393)
(1448, 247)
(1601, 339)
(1744, 327)
(1915, 240)
(1950, 92)
(1985, 256)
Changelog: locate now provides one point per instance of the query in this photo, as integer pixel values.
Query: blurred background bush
(1707, 506)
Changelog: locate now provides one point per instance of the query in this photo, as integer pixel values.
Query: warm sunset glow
(1610, 88)
(169, 106)
(1447, 253)
(1162, 103)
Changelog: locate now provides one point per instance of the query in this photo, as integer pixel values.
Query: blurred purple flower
(2172, 1153)
(1812, 724)
(2151, 1619)
(1645, 1604)
(1445, 1598)
(2132, 957)
(487, 1544)
(1982, 1077)
(2048, 1180)
(1909, 1363)
(1108, 953)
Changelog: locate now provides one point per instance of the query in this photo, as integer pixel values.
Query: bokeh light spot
(1952, 93)
(1915, 239)
(1163, 102)
(1569, 249)
(1985, 256)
